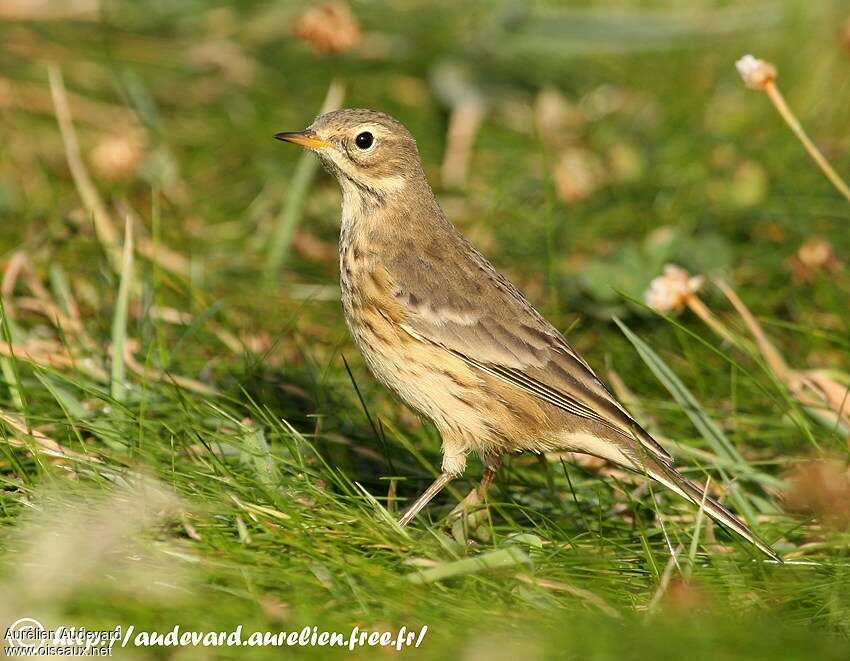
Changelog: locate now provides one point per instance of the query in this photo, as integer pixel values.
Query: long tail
(670, 478)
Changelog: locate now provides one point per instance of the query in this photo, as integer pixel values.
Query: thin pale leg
(425, 498)
(478, 494)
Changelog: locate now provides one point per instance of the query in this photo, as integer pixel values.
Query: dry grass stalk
(51, 311)
(157, 253)
(40, 352)
(631, 401)
(812, 388)
(676, 289)
(104, 227)
(760, 75)
(117, 383)
(581, 593)
(53, 355)
(17, 263)
(701, 310)
(36, 99)
(42, 303)
(47, 354)
(178, 318)
(464, 122)
(621, 390)
(54, 10)
(47, 445)
(770, 353)
(168, 259)
(154, 374)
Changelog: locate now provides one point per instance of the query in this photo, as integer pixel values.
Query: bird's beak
(306, 139)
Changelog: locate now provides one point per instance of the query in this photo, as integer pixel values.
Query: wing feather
(477, 315)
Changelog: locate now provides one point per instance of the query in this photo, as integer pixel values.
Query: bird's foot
(468, 515)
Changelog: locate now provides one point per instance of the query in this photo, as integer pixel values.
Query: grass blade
(119, 320)
(507, 557)
(706, 426)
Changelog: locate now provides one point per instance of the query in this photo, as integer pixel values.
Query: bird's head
(368, 152)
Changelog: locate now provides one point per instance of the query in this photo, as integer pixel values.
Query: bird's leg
(478, 494)
(425, 498)
(454, 462)
(490, 469)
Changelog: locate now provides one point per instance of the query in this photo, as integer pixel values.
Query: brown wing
(457, 300)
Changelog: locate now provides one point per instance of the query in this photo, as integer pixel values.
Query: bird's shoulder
(452, 293)
(455, 296)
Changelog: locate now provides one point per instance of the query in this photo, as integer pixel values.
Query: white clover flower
(670, 291)
(756, 73)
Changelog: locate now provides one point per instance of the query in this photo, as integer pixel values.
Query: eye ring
(364, 140)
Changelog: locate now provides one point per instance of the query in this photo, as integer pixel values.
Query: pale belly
(428, 379)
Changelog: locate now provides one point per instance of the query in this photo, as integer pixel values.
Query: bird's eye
(364, 140)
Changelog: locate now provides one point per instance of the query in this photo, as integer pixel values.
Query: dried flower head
(578, 174)
(814, 256)
(761, 75)
(330, 27)
(116, 158)
(757, 74)
(821, 487)
(683, 596)
(816, 252)
(555, 116)
(670, 291)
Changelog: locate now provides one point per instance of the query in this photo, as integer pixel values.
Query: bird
(457, 342)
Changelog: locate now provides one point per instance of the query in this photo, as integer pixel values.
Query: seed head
(670, 291)
(757, 74)
(330, 27)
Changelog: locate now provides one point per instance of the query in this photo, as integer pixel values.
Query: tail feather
(670, 478)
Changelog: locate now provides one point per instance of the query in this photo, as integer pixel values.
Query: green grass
(242, 467)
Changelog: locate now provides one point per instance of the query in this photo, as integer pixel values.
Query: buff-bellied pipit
(452, 337)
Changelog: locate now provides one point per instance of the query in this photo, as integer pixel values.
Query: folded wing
(477, 315)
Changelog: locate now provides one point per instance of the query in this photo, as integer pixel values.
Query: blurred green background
(581, 146)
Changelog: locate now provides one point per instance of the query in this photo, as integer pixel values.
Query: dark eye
(364, 140)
